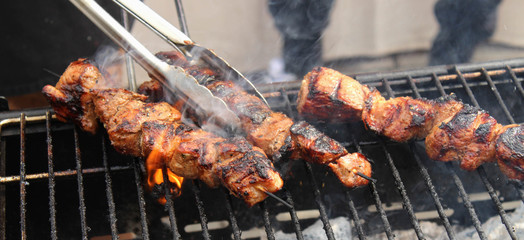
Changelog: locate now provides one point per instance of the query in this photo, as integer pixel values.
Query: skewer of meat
(454, 131)
(274, 132)
(137, 128)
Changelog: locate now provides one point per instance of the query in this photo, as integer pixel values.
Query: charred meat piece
(400, 119)
(454, 131)
(468, 137)
(347, 167)
(510, 151)
(138, 128)
(70, 97)
(273, 132)
(328, 95)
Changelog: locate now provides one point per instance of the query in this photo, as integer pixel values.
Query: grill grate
(315, 182)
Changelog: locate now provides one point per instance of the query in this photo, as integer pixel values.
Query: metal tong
(173, 78)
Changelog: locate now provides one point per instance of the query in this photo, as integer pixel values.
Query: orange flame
(156, 168)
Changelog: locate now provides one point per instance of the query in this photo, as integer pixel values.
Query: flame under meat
(142, 129)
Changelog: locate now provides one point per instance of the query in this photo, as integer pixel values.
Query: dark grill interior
(60, 183)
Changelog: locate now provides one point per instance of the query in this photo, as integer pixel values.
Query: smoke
(110, 62)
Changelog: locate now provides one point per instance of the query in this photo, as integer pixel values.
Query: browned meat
(347, 167)
(400, 119)
(138, 128)
(454, 131)
(70, 97)
(468, 137)
(510, 151)
(273, 132)
(328, 95)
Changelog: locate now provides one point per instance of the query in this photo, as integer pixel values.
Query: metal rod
(458, 183)
(294, 217)
(23, 183)
(378, 202)
(467, 202)
(51, 179)
(3, 217)
(201, 211)
(497, 95)
(182, 17)
(402, 190)
(427, 178)
(318, 199)
(267, 221)
(169, 204)
(237, 234)
(80, 182)
(356, 218)
(480, 169)
(130, 69)
(109, 190)
(511, 72)
(498, 204)
(65, 173)
(398, 180)
(141, 200)
(274, 196)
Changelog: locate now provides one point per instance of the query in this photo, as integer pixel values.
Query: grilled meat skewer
(274, 132)
(454, 131)
(138, 128)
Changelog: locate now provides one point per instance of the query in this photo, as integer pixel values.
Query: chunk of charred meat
(273, 132)
(510, 151)
(138, 128)
(468, 137)
(454, 131)
(71, 98)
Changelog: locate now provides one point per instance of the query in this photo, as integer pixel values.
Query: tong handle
(154, 21)
(122, 37)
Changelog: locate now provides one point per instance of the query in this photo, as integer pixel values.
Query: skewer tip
(274, 196)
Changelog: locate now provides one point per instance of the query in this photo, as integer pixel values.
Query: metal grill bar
(405, 199)
(51, 172)
(398, 179)
(232, 219)
(320, 203)
(169, 204)
(356, 218)
(467, 202)
(511, 72)
(109, 190)
(267, 222)
(497, 95)
(141, 200)
(201, 211)
(23, 234)
(294, 216)
(426, 177)
(458, 182)
(66, 173)
(80, 179)
(378, 202)
(480, 169)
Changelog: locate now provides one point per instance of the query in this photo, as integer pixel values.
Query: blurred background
(42, 38)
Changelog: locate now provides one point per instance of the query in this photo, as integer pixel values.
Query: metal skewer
(274, 196)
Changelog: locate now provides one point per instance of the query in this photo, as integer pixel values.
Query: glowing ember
(155, 175)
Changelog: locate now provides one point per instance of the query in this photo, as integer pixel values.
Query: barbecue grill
(58, 182)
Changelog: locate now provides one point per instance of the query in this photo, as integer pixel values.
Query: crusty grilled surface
(337, 98)
(138, 128)
(71, 98)
(510, 151)
(273, 132)
(468, 137)
(454, 131)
